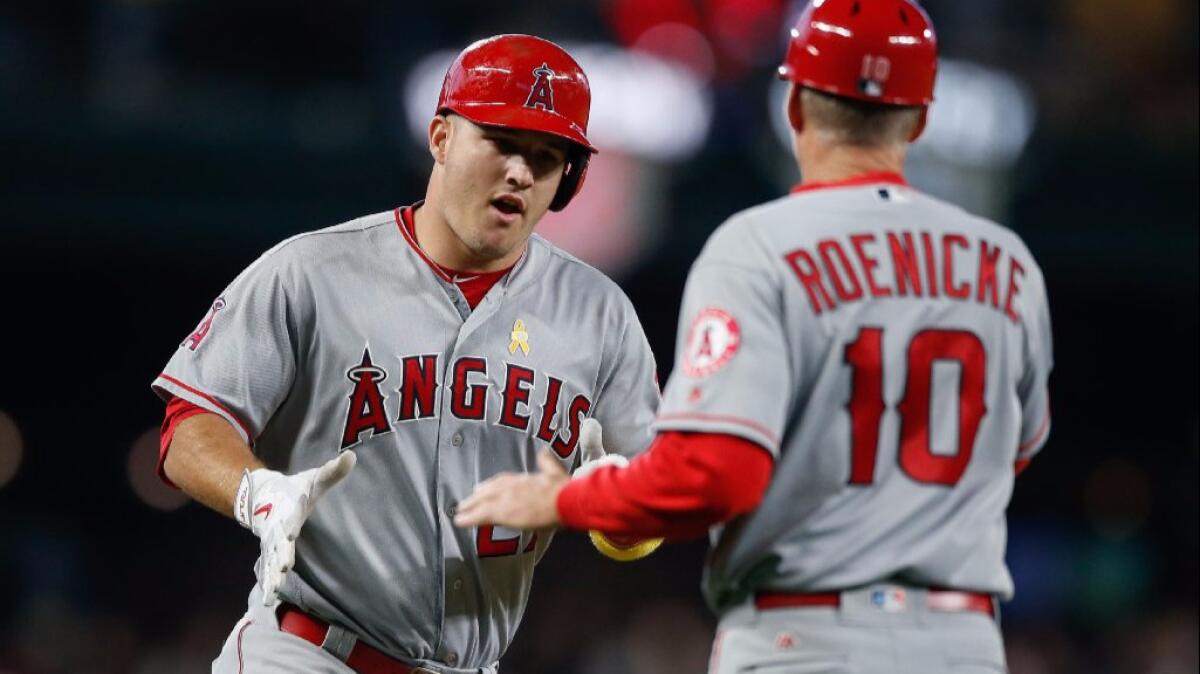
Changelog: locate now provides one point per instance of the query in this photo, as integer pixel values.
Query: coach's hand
(516, 500)
(529, 500)
(275, 506)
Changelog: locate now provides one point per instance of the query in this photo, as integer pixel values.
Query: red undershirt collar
(890, 177)
(474, 285)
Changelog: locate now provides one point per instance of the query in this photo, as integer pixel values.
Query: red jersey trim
(245, 429)
(404, 223)
(722, 418)
(474, 288)
(889, 177)
(241, 632)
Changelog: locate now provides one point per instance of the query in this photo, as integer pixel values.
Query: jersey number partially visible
(866, 406)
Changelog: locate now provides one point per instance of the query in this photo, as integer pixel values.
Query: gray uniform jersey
(348, 338)
(892, 353)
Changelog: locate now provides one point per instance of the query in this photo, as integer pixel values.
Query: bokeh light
(163, 146)
(979, 125)
(11, 450)
(1117, 498)
(615, 220)
(143, 457)
(642, 104)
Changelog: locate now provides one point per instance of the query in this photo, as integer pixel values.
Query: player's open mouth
(509, 205)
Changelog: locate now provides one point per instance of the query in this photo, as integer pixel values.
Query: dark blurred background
(152, 148)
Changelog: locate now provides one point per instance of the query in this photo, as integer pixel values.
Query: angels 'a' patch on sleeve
(712, 341)
(193, 341)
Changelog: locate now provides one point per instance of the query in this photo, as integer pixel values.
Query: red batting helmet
(880, 51)
(524, 82)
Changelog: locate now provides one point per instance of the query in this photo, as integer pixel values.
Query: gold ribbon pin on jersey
(520, 338)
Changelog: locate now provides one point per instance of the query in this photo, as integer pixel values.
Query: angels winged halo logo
(541, 94)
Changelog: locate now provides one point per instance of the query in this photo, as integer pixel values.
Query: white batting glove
(591, 448)
(275, 506)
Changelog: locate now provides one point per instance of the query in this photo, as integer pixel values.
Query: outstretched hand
(516, 500)
(275, 507)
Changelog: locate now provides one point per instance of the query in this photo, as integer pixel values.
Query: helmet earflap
(574, 171)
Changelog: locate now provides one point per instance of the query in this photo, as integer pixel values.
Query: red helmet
(524, 82)
(880, 51)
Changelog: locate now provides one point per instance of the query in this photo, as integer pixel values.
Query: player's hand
(516, 500)
(275, 506)
(591, 449)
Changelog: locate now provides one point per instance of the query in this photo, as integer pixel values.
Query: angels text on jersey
(471, 397)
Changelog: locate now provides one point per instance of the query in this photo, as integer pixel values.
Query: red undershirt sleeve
(178, 409)
(684, 484)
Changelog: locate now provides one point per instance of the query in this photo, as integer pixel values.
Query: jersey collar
(872, 178)
(404, 220)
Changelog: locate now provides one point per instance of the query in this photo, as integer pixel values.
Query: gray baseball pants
(863, 635)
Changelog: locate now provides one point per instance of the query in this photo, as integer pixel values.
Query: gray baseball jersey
(349, 337)
(892, 352)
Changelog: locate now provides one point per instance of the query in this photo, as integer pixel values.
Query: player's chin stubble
(483, 242)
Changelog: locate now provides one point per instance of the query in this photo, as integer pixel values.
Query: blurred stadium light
(645, 111)
(980, 118)
(1116, 498)
(721, 40)
(614, 221)
(679, 43)
(979, 123)
(143, 457)
(11, 449)
(641, 104)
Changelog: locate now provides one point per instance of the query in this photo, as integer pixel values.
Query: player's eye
(503, 145)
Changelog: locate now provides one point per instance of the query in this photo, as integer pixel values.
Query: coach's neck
(823, 159)
(836, 138)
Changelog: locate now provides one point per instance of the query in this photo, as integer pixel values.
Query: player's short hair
(856, 122)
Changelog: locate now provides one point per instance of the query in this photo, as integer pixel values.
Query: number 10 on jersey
(866, 406)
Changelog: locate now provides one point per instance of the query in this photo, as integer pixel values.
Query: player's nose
(518, 171)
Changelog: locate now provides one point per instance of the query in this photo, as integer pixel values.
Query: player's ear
(920, 126)
(795, 111)
(439, 137)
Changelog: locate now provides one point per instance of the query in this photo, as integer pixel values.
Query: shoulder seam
(325, 231)
(571, 259)
(558, 252)
(764, 271)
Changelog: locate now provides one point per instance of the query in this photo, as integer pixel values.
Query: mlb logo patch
(892, 601)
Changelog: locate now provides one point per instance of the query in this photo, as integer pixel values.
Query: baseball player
(860, 368)
(354, 383)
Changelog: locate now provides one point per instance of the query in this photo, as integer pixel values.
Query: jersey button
(452, 658)
(457, 584)
(451, 508)
(456, 440)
